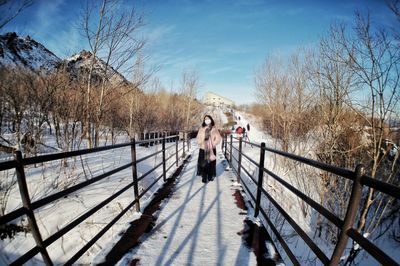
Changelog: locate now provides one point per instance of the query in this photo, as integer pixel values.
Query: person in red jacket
(239, 131)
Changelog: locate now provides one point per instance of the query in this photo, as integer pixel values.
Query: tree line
(342, 98)
(88, 103)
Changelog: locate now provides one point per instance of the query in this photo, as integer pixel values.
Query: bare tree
(372, 55)
(190, 84)
(333, 81)
(110, 31)
(282, 88)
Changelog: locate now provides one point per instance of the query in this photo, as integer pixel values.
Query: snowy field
(51, 177)
(304, 215)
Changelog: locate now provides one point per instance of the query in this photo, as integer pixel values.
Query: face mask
(207, 121)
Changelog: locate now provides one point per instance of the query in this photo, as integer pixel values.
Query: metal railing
(29, 207)
(346, 230)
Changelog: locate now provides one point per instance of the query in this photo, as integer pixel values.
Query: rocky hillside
(17, 51)
(26, 52)
(79, 64)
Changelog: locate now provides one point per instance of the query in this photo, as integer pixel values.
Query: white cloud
(159, 33)
(48, 12)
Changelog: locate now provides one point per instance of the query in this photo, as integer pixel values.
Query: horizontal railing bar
(384, 187)
(156, 139)
(291, 256)
(169, 167)
(245, 141)
(244, 184)
(143, 141)
(12, 215)
(63, 155)
(171, 137)
(7, 165)
(371, 248)
(148, 156)
(147, 189)
(323, 166)
(150, 171)
(149, 140)
(58, 195)
(98, 235)
(172, 155)
(233, 168)
(381, 186)
(251, 160)
(317, 251)
(248, 190)
(171, 146)
(83, 217)
(252, 143)
(57, 156)
(236, 159)
(51, 157)
(250, 176)
(319, 208)
(27, 256)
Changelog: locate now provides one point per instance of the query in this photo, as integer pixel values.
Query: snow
(19, 51)
(199, 225)
(50, 178)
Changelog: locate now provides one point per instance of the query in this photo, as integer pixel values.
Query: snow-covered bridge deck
(199, 224)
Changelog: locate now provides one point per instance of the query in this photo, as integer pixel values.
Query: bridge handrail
(357, 176)
(28, 207)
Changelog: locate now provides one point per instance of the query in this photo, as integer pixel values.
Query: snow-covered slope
(79, 64)
(26, 52)
(17, 51)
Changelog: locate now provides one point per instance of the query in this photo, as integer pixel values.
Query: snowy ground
(199, 225)
(51, 177)
(307, 180)
(189, 229)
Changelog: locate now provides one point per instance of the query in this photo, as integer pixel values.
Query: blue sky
(223, 41)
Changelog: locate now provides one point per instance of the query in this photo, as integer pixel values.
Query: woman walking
(208, 138)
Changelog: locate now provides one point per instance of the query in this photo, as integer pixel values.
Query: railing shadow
(29, 207)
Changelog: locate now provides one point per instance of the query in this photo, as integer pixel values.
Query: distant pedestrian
(208, 137)
(239, 131)
(248, 127)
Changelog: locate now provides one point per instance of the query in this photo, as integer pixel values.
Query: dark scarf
(207, 150)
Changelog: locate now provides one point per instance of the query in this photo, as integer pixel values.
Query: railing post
(176, 150)
(239, 159)
(134, 174)
(183, 150)
(226, 144)
(26, 201)
(260, 178)
(230, 150)
(188, 141)
(163, 158)
(351, 213)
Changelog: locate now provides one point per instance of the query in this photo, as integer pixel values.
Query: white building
(217, 100)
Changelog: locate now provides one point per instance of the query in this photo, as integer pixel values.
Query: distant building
(217, 100)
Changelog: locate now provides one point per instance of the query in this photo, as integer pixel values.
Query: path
(199, 225)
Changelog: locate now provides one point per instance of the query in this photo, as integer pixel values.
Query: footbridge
(224, 222)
